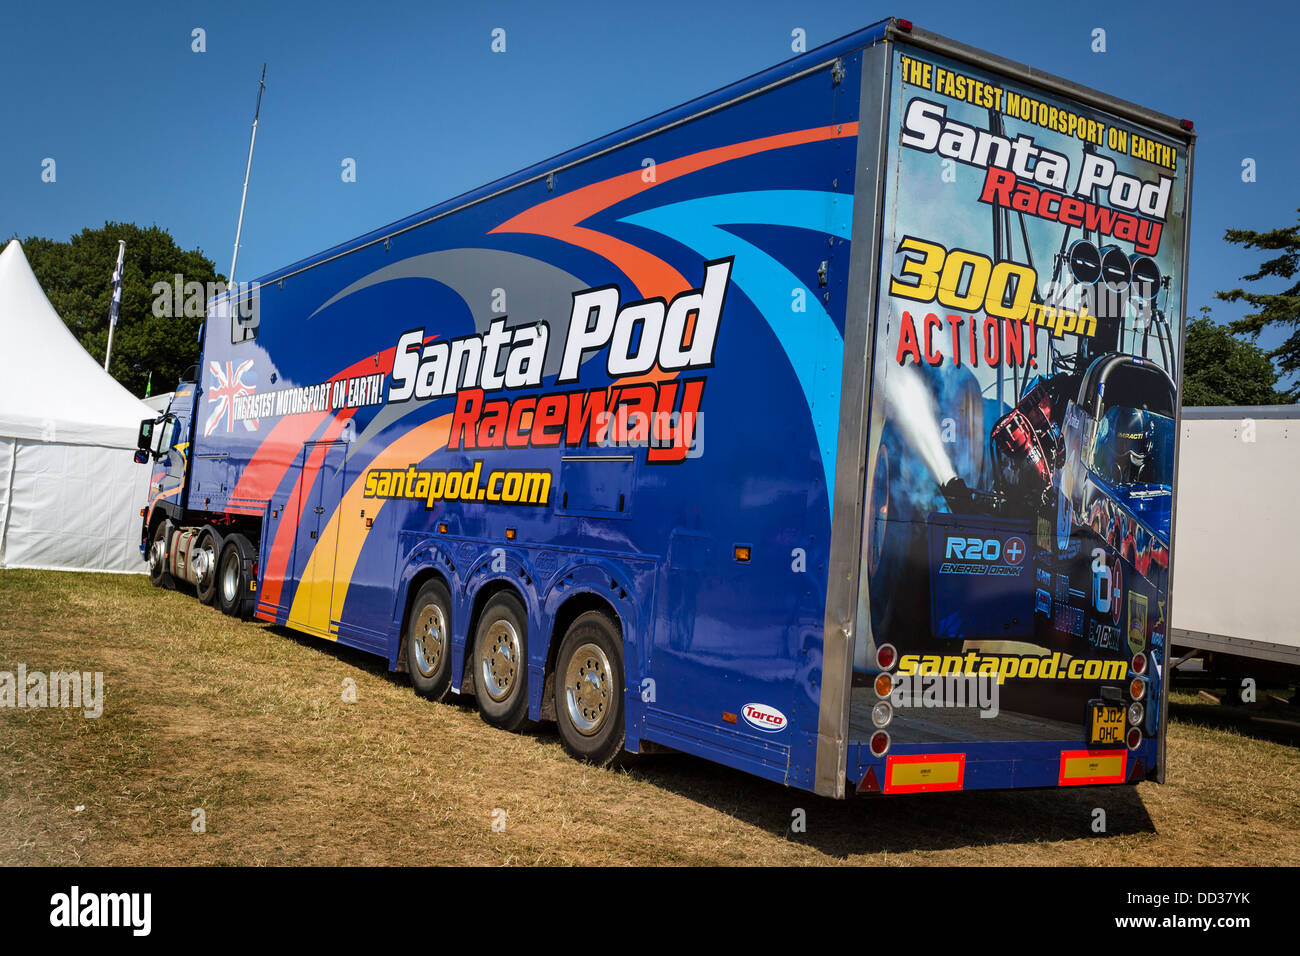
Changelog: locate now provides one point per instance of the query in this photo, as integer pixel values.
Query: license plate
(1105, 724)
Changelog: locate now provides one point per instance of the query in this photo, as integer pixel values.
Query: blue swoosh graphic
(811, 342)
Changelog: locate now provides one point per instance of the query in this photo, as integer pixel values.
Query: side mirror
(144, 440)
(141, 456)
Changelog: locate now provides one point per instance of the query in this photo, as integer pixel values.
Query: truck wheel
(589, 689)
(234, 574)
(501, 662)
(159, 576)
(428, 641)
(209, 546)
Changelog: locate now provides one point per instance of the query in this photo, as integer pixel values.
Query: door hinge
(837, 72)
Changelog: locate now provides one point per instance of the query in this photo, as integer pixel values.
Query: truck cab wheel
(207, 551)
(589, 689)
(428, 641)
(159, 576)
(234, 578)
(501, 662)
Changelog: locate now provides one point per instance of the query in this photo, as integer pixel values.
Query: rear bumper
(920, 768)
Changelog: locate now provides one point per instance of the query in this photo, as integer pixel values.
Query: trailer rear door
(1018, 470)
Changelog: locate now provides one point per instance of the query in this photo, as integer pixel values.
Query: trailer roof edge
(1021, 71)
(1237, 412)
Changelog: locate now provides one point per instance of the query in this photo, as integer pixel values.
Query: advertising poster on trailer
(1021, 456)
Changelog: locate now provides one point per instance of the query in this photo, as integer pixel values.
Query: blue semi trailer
(823, 427)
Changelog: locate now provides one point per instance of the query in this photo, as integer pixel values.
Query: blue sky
(144, 129)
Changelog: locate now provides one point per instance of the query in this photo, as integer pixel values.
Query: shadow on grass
(983, 820)
(989, 820)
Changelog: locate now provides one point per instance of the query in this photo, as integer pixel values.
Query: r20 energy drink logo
(979, 555)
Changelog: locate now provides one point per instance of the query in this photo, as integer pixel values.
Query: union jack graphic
(229, 386)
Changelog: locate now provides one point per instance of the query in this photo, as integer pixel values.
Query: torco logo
(767, 719)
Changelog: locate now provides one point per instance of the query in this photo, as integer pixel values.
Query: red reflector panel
(1086, 767)
(869, 784)
(924, 773)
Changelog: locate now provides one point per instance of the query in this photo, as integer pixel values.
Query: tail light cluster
(1137, 689)
(883, 712)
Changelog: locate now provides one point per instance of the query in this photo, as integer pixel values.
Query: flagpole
(248, 169)
(117, 300)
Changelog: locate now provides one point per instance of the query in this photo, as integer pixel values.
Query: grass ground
(248, 723)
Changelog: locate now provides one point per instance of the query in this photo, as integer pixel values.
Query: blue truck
(823, 427)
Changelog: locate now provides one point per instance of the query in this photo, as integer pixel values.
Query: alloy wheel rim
(430, 639)
(501, 660)
(230, 578)
(588, 682)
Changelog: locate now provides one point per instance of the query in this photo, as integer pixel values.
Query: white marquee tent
(70, 494)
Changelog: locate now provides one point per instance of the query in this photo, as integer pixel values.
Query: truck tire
(428, 641)
(589, 689)
(501, 662)
(235, 577)
(206, 587)
(159, 576)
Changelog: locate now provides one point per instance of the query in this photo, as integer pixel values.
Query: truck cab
(166, 441)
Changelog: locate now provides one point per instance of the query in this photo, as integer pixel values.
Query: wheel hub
(430, 640)
(587, 689)
(203, 562)
(501, 660)
(230, 579)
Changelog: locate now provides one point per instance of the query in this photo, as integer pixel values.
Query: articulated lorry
(822, 427)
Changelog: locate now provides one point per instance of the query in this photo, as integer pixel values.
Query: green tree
(1280, 309)
(1220, 369)
(77, 277)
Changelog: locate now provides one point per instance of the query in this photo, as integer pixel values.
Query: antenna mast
(239, 228)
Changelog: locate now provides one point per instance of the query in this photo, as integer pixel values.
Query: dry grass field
(248, 723)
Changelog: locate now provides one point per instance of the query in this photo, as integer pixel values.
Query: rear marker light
(442, 529)
(1139, 663)
(1186, 124)
(1137, 688)
(510, 534)
(884, 684)
(879, 743)
(886, 656)
(742, 552)
(728, 718)
(882, 714)
(906, 27)
(1134, 738)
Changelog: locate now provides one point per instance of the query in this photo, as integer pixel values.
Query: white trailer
(1236, 602)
